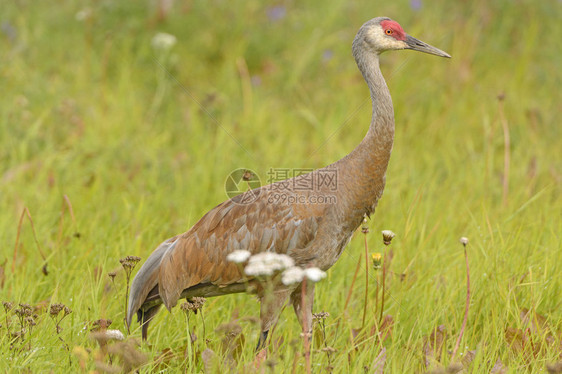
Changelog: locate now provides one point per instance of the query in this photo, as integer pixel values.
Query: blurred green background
(140, 137)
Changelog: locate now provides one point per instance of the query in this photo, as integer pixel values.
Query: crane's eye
(388, 31)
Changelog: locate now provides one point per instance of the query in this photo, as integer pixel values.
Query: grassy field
(109, 145)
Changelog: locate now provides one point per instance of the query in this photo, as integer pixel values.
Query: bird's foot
(260, 358)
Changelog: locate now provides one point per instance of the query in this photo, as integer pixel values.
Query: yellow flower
(377, 260)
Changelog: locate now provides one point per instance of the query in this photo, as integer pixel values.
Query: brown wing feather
(199, 255)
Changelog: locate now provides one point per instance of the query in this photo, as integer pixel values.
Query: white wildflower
(115, 335)
(257, 269)
(314, 274)
(267, 263)
(238, 256)
(292, 275)
(104, 336)
(463, 240)
(387, 236)
(163, 41)
(83, 14)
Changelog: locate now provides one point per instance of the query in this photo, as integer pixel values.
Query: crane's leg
(302, 299)
(271, 305)
(302, 304)
(145, 317)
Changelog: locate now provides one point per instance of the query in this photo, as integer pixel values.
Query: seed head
(129, 263)
(7, 306)
(377, 260)
(193, 304)
(387, 236)
(24, 310)
(464, 240)
(365, 226)
(320, 316)
(101, 324)
(56, 309)
(112, 275)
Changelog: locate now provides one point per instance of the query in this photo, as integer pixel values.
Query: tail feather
(145, 281)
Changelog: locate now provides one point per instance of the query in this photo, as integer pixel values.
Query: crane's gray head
(383, 34)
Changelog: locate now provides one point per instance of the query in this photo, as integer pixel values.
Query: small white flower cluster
(267, 263)
(163, 41)
(238, 256)
(464, 240)
(83, 14)
(114, 334)
(295, 275)
(292, 275)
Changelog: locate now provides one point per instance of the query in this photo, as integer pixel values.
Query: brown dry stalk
(68, 205)
(506, 150)
(383, 284)
(35, 234)
(465, 319)
(24, 213)
(305, 327)
(351, 286)
(17, 242)
(366, 281)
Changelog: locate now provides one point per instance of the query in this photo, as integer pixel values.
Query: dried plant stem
(17, 242)
(26, 212)
(506, 150)
(376, 299)
(68, 205)
(126, 304)
(366, 281)
(383, 285)
(350, 291)
(465, 319)
(295, 361)
(306, 328)
(204, 329)
(323, 326)
(189, 348)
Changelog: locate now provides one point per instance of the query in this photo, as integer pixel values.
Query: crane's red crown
(393, 28)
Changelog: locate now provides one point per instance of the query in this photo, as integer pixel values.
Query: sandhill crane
(312, 234)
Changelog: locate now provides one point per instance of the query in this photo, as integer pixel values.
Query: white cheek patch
(376, 34)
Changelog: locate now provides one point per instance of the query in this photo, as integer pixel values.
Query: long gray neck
(365, 166)
(380, 136)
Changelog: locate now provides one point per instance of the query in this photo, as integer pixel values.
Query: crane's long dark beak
(418, 45)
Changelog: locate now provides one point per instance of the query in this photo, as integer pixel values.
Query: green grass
(88, 112)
